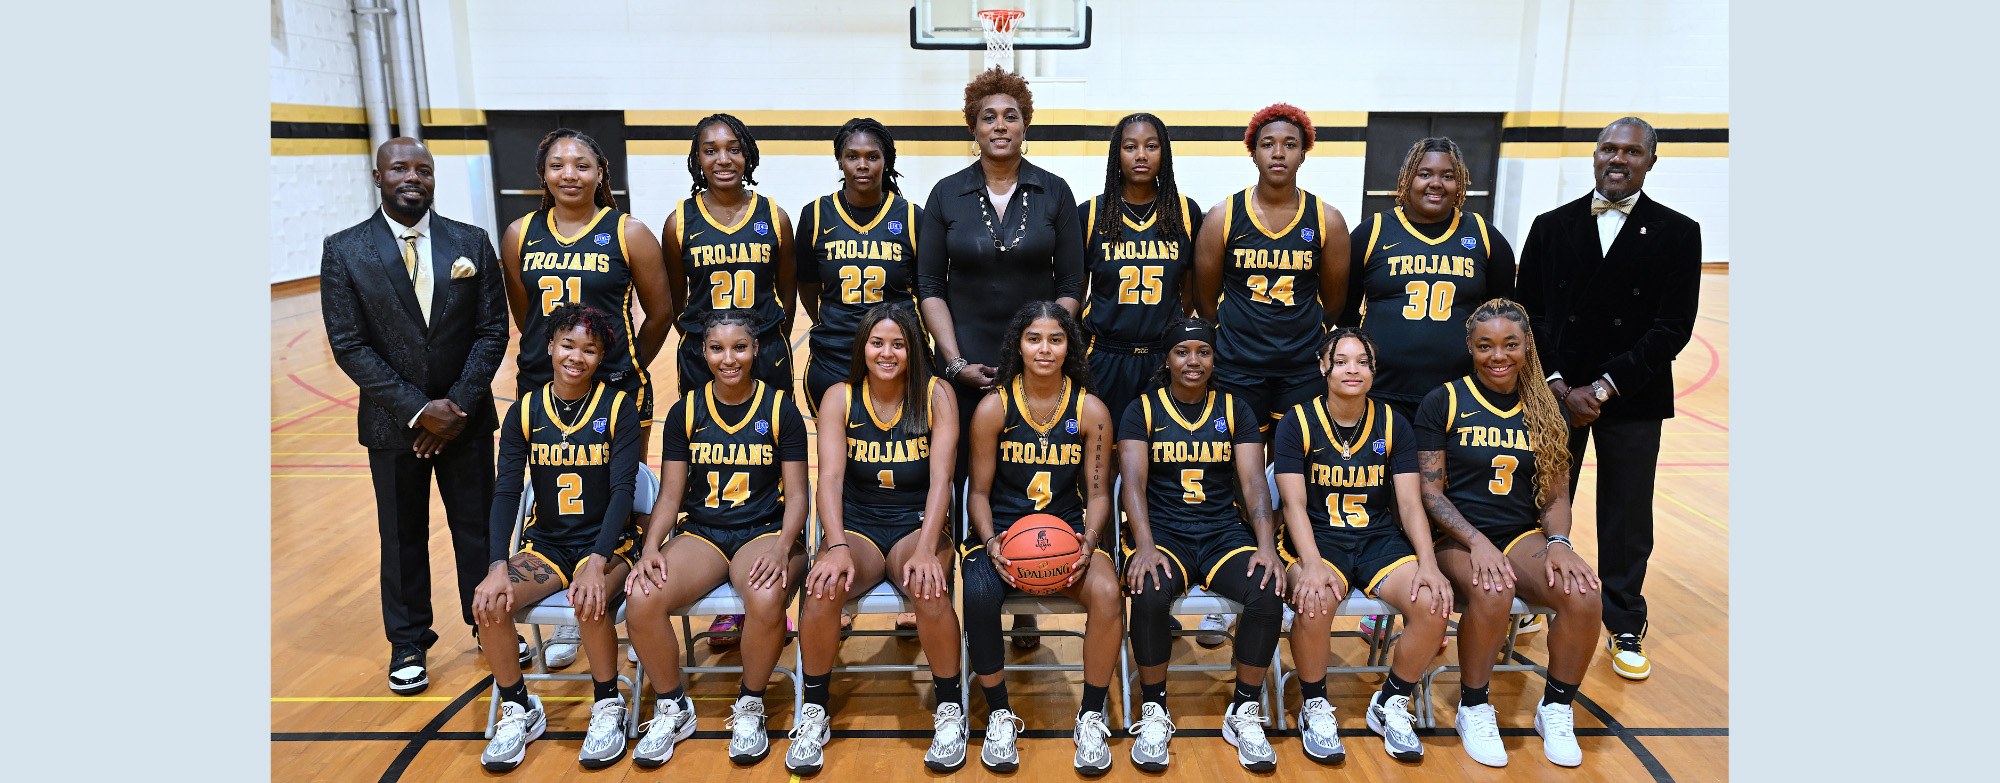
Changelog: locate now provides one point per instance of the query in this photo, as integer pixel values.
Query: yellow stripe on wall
(1599, 119)
(954, 117)
(296, 147)
(1584, 149)
(1091, 149)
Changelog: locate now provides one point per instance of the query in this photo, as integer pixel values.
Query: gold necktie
(1598, 206)
(420, 274)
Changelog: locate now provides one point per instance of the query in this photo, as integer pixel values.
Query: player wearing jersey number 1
(1270, 266)
(1493, 449)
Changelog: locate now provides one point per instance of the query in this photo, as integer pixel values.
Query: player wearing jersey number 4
(1494, 453)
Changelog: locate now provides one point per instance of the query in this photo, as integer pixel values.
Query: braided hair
(1333, 338)
(869, 126)
(1076, 366)
(737, 317)
(1548, 430)
(1168, 200)
(1416, 158)
(1277, 112)
(916, 366)
(600, 197)
(743, 137)
(595, 322)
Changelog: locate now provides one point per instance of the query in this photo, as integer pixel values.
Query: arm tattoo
(1431, 463)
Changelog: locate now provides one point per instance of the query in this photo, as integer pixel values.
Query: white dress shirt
(423, 229)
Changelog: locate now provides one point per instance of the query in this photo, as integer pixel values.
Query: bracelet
(953, 368)
(1563, 540)
(833, 547)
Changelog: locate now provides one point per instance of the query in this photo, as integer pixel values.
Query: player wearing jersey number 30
(1493, 449)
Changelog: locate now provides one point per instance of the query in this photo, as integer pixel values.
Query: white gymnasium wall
(1336, 59)
(313, 64)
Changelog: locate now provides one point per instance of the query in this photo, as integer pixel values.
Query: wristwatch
(1597, 390)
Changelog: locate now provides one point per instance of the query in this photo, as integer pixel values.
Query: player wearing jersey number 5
(1493, 449)
(733, 458)
(1268, 263)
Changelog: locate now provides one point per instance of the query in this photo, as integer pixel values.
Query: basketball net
(999, 25)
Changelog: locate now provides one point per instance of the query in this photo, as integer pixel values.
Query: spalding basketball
(1040, 549)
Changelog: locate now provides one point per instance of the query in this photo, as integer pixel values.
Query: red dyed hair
(1278, 111)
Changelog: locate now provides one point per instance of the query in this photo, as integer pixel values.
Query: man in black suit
(1611, 282)
(417, 318)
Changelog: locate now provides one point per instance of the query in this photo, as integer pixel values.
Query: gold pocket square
(463, 268)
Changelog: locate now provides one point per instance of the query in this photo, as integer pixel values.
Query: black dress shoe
(407, 673)
(525, 653)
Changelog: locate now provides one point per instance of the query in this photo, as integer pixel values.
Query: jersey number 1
(552, 291)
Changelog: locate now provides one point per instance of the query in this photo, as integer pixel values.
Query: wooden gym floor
(333, 718)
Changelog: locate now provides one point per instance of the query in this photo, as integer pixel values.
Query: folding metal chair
(883, 598)
(555, 610)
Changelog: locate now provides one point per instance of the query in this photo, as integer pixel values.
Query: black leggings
(1256, 634)
(984, 590)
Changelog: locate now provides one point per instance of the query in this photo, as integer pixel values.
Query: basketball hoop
(999, 25)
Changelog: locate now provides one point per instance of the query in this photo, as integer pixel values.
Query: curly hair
(1274, 113)
(868, 125)
(1417, 152)
(1076, 365)
(600, 197)
(916, 365)
(1334, 337)
(595, 322)
(743, 137)
(1168, 195)
(993, 82)
(1548, 429)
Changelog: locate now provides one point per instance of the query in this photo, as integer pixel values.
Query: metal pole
(374, 84)
(417, 51)
(408, 121)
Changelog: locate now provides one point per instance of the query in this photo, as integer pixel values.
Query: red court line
(1685, 412)
(309, 387)
(1714, 361)
(295, 340)
(315, 412)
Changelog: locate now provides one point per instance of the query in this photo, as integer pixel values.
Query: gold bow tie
(1598, 206)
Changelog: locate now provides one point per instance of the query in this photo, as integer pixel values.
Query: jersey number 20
(722, 295)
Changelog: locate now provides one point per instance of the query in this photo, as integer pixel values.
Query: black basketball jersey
(730, 267)
(1350, 490)
(734, 476)
(1039, 471)
(1191, 477)
(1135, 283)
(884, 469)
(859, 266)
(1489, 463)
(1270, 317)
(589, 269)
(570, 466)
(1416, 294)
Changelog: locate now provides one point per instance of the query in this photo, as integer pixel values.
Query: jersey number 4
(722, 295)
(859, 285)
(552, 291)
(1433, 300)
(1346, 510)
(1266, 292)
(736, 492)
(1139, 284)
(1038, 490)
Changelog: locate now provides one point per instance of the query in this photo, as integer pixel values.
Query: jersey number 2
(569, 495)
(1139, 284)
(1266, 292)
(736, 492)
(722, 295)
(1433, 300)
(859, 285)
(552, 291)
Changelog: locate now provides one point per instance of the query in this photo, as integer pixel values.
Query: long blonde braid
(1548, 429)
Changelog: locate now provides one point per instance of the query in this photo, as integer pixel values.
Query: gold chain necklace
(1042, 427)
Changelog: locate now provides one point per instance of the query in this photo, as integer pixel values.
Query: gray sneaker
(947, 751)
(672, 722)
(1093, 756)
(807, 752)
(1319, 733)
(604, 743)
(560, 650)
(1243, 726)
(1393, 721)
(1150, 736)
(517, 728)
(997, 753)
(748, 744)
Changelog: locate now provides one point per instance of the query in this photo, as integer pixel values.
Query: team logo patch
(1307, 233)
(895, 227)
(597, 425)
(763, 427)
(601, 239)
(1070, 426)
(1381, 446)
(1468, 242)
(762, 228)
(1220, 425)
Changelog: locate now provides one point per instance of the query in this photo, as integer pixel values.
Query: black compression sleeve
(1433, 432)
(513, 464)
(624, 477)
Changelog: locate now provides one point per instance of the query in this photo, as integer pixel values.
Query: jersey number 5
(1191, 487)
(736, 492)
(1266, 292)
(1433, 300)
(1139, 284)
(861, 285)
(569, 495)
(552, 291)
(1346, 510)
(1038, 490)
(722, 295)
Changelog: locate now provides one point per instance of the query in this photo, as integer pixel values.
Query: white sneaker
(1319, 733)
(672, 722)
(1557, 725)
(1391, 718)
(631, 653)
(560, 651)
(1527, 623)
(1289, 614)
(604, 743)
(748, 744)
(1093, 756)
(998, 753)
(807, 752)
(947, 751)
(1150, 736)
(1216, 624)
(1243, 726)
(517, 728)
(1479, 732)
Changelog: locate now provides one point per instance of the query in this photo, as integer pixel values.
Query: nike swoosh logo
(538, 429)
(532, 241)
(695, 234)
(704, 426)
(1468, 415)
(1010, 429)
(1162, 429)
(854, 424)
(1390, 245)
(826, 232)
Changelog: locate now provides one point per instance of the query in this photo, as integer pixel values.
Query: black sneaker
(526, 653)
(407, 674)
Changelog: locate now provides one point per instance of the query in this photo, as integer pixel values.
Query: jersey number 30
(1433, 300)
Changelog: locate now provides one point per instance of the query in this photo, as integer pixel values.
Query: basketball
(1039, 550)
